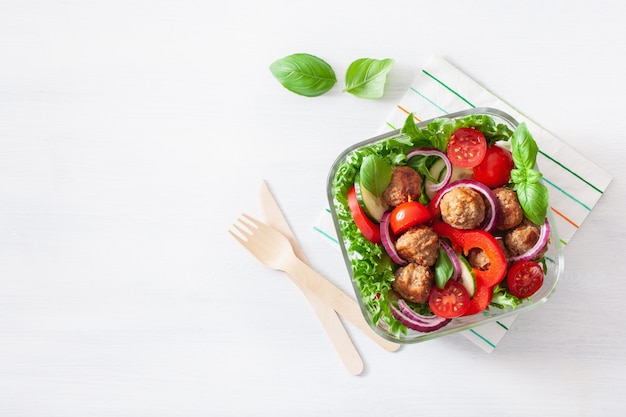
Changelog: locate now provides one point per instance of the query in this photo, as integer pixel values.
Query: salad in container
(445, 224)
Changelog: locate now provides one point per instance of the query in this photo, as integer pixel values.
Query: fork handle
(335, 298)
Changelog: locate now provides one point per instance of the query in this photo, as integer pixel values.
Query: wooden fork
(274, 250)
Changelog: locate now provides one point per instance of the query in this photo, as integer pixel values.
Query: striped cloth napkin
(574, 183)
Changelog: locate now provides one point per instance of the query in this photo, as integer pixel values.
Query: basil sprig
(366, 77)
(531, 193)
(304, 74)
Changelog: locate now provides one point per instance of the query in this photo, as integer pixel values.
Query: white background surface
(132, 133)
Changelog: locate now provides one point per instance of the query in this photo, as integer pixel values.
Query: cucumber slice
(359, 198)
(438, 169)
(468, 279)
(373, 206)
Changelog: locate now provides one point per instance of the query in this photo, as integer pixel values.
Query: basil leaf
(523, 175)
(375, 174)
(533, 175)
(523, 147)
(304, 74)
(366, 77)
(533, 197)
(518, 176)
(443, 269)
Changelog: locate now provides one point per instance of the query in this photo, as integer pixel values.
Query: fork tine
(257, 228)
(265, 232)
(246, 226)
(243, 233)
(237, 236)
(252, 221)
(254, 237)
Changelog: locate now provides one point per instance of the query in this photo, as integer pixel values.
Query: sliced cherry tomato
(467, 239)
(481, 299)
(407, 215)
(368, 228)
(495, 169)
(467, 147)
(451, 301)
(525, 278)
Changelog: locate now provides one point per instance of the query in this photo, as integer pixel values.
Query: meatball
(414, 282)
(522, 238)
(511, 213)
(419, 244)
(462, 208)
(405, 185)
(477, 258)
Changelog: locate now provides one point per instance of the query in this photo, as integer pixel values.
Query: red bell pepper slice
(368, 228)
(433, 207)
(476, 238)
(481, 299)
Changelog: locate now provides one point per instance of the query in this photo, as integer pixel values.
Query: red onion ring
(405, 315)
(492, 212)
(387, 240)
(544, 236)
(456, 264)
(435, 152)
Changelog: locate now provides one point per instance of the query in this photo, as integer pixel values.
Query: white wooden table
(132, 133)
